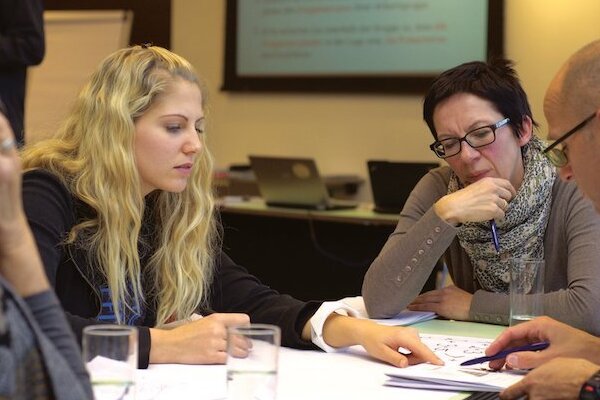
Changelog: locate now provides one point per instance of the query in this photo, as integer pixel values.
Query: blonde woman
(121, 206)
(39, 358)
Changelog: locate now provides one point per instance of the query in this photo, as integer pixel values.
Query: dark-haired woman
(482, 125)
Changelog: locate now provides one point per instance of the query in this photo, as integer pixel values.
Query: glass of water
(110, 353)
(526, 289)
(252, 359)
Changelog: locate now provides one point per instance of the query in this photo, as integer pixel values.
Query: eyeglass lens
(478, 138)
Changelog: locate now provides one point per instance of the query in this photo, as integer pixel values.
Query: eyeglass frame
(493, 127)
(554, 155)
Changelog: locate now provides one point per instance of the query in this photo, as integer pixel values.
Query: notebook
(392, 182)
(293, 182)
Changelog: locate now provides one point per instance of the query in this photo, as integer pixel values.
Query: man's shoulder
(565, 192)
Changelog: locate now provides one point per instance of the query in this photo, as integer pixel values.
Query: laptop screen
(392, 182)
(293, 182)
(289, 181)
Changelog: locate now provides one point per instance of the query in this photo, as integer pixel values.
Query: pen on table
(495, 236)
(528, 347)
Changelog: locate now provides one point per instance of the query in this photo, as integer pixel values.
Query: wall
(76, 42)
(79, 34)
(152, 22)
(342, 131)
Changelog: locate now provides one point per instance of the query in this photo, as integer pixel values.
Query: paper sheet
(453, 350)
(428, 376)
(404, 318)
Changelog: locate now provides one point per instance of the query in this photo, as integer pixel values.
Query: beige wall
(342, 131)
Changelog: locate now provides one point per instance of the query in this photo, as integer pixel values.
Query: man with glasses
(572, 109)
(497, 180)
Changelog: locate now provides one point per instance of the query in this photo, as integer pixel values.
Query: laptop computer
(392, 182)
(293, 182)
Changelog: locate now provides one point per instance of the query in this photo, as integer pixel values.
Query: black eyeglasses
(557, 156)
(478, 137)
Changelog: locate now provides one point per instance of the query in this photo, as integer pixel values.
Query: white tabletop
(303, 374)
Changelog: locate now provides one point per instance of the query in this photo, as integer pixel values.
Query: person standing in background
(21, 45)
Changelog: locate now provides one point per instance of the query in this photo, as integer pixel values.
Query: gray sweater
(571, 251)
(41, 358)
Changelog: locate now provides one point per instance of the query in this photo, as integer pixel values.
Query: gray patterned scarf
(521, 233)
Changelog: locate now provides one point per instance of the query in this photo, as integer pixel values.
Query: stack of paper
(407, 317)
(453, 350)
(468, 379)
(404, 318)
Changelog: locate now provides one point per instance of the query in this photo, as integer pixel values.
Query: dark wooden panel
(306, 258)
(151, 20)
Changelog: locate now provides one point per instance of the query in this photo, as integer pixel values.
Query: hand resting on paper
(381, 342)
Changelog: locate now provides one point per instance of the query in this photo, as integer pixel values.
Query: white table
(305, 374)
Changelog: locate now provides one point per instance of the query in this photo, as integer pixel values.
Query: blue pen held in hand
(528, 347)
(495, 235)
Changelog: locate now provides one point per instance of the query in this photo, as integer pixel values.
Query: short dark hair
(496, 81)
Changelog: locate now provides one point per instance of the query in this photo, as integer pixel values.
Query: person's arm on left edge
(21, 265)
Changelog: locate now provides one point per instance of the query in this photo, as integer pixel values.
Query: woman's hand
(449, 302)
(20, 263)
(381, 342)
(11, 209)
(483, 200)
(203, 341)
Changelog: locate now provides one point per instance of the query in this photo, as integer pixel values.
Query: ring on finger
(7, 145)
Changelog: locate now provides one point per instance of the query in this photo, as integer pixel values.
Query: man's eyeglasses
(557, 156)
(478, 137)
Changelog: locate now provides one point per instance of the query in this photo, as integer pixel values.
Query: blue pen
(495, 236)
(528, 347)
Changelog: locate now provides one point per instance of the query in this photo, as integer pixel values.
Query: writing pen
(495, 235)
(528, 347)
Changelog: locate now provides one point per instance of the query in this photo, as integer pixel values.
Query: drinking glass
(110, 353)
(526, 289)
(252, 359)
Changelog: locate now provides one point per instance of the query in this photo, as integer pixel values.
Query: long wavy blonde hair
(92, 153)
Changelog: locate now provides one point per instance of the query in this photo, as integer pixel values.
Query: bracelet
(591, 388)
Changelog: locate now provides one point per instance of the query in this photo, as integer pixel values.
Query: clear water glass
(526, 289)
(110, 354)
(252, 361)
